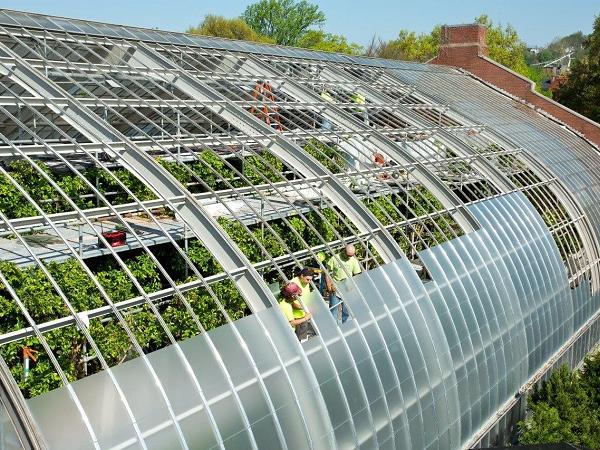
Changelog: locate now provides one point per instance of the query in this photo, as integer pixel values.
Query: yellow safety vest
(359, 99)
(326, 96)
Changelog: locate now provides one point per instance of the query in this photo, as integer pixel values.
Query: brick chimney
(465, 46)
(466, 41)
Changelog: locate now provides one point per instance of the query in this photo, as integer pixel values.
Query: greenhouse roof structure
(158, 189)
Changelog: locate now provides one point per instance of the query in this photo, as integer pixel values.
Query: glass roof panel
(159, 197)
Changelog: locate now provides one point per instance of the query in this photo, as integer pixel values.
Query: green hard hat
(321, 256)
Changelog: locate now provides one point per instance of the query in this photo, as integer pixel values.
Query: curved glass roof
(158, 189)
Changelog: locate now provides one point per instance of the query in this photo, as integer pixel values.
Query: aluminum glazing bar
(282, 147)
(590, 242)
(386, 145)
(487, 169)
(146, 145)
(155, 177)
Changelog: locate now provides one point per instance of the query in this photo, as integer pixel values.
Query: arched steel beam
(338, 116)
(153, 175)
(282, 147)
(19, 415)
(481, 164)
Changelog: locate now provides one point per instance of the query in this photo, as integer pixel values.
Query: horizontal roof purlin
(12, 18)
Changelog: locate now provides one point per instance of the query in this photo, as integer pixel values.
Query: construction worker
(303, 279)
(322, 282)
(340, 267)
(325, 284)
(289, 305)
(325, 95)
(360, 100)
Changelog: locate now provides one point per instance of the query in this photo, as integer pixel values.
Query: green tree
(591, 378)
(409, 46)
(284, 21)
(581, 91)
(545, 426)
(563, 410)
(504, 46)
(328, 42)
(236, 28)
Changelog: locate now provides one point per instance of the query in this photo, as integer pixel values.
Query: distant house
(559, 66)
(557, 70)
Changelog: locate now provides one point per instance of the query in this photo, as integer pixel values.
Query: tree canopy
(504, 46)
(280, 23)
(328, 42)
(566, 408)
(409, 46)
(236, 28)
(284, 21)
(581, 92)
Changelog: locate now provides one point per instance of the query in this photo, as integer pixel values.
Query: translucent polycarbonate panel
(492, 362)
(9, 439)
(264, 393)
(69, 427)
(583, 306)
(425, 361)
(547, 291)
(332, 393)
(383, 283)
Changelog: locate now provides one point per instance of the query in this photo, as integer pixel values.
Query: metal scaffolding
(158, 189)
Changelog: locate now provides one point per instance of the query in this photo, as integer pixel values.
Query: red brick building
(464, 46)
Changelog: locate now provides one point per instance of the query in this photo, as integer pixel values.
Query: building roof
(159, 187)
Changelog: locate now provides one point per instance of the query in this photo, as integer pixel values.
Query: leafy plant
(284, 21)
(263, 166)
(565, 408)
(328, 155)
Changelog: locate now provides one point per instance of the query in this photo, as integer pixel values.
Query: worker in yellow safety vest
(340, 267)
(293, 311)
(361, 101)
(325, 95)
